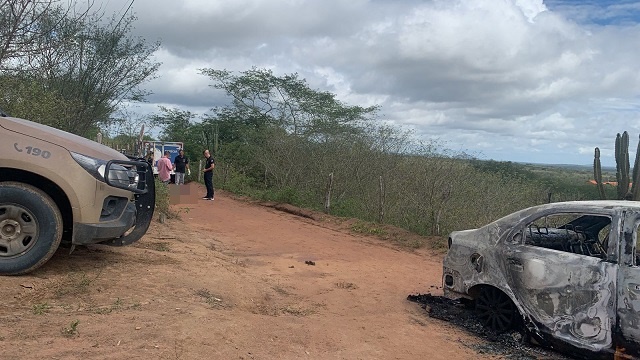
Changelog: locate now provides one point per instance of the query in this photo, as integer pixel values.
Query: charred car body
(568, 273)
(56, 187)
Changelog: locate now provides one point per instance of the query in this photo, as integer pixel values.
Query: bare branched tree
(83, 59)
(22, 26)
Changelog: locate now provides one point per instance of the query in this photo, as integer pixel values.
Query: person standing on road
(149, 158)
(164, 168)
(208, 174)
(180, 166)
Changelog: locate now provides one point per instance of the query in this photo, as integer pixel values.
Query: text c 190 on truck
(58, 187)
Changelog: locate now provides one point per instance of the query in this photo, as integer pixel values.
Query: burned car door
(629, 287)
(560, 270)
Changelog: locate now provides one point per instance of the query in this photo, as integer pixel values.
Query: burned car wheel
(30, 228)
(496, 310)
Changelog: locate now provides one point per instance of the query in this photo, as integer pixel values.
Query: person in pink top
(164, 168)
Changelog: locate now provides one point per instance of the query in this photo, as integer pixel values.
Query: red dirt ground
(229, 281)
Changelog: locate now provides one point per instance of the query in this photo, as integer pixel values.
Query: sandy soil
(229, 281)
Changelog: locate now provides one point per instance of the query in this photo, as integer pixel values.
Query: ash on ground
(511, 345)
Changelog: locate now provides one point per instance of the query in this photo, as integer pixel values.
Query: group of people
(181, 167)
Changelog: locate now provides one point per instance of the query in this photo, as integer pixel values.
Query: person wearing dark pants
(180, 167)
(208, 174)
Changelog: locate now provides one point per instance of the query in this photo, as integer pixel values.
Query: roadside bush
(432, 194)
(348, 208)
(163, 200)
(236, 183)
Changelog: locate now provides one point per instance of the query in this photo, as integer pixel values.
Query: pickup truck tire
(30, 228)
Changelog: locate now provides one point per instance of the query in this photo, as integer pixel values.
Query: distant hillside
(560, 181)
(571, 167)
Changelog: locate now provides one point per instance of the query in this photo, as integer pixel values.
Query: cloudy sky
(518, 80)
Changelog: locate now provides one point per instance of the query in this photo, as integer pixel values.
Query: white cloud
(514, 79)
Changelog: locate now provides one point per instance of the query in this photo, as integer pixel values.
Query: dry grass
(41, 309)
(346, 285)
(73, 284)
(72, 329)
(211, 299)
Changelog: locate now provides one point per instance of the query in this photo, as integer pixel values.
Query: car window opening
(573, 233)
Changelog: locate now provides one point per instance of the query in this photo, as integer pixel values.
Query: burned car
(568, 274)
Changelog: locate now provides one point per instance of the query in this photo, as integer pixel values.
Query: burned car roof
(585, 206)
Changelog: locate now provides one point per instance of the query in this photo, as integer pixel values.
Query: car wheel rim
(18, 230)
(496, 310)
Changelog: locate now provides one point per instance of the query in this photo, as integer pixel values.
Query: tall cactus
(625, 165)
(635, 179)
(622, 170)
(622, 164)
(616, 155)
(597, 173)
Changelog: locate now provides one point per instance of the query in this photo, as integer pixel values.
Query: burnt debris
(511, 344)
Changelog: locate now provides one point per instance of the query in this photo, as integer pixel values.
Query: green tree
(288, 102)
(283, 129)
(91, 64)
(25, 96)
(174, 123)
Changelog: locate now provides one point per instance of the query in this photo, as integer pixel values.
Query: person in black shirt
(149, 158)
(208, 174)
(180, 166)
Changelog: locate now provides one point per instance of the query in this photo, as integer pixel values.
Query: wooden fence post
(200, 170)
(382, 198)
(225, 173)
(327, 196)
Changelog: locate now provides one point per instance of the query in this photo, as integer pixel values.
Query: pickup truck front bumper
(135, 219)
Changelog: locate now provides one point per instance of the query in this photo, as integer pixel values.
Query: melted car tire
(496, 310)
(22, 204)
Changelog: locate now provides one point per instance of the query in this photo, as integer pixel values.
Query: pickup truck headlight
(119, 176)
(93, 166)
(123, 177)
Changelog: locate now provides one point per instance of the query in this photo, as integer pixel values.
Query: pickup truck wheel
(30, 228)
(496, 310)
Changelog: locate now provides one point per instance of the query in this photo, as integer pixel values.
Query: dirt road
(230, 281)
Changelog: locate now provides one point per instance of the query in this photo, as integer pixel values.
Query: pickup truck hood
(61, 138)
